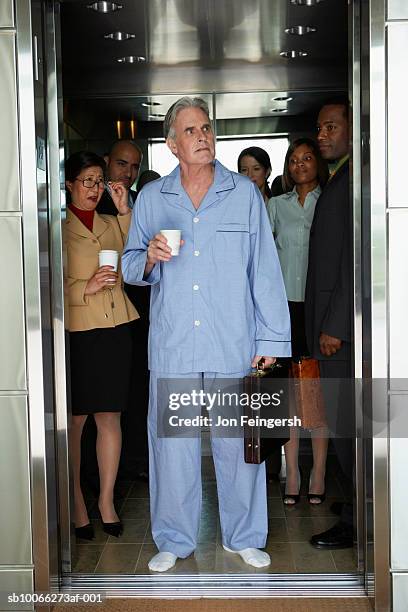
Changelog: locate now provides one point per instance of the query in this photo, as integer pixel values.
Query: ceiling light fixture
(282, 99)
(119, 36)
(149, 104)
(131, 59)
(104, 7)
(278, 110)
(156, 116)
(305, 2)
(300, 30)
(293, 54)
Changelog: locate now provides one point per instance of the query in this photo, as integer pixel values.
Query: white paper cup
(109, 258)
(173, 240)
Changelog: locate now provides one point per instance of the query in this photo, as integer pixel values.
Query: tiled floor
(288, 542)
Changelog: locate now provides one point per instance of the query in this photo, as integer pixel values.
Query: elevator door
(234, 585)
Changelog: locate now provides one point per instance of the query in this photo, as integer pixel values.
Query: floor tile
(281, 557)
(303, 508)
(139, 489)
(273, 489)
(308, 559)
(209, 528)
(275, 507)
(86, 557)
(345, 560)
(301, 529)
(135, 508)
(277, 531)
(134, 531)
(118, 559)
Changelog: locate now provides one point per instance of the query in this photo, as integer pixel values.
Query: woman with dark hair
(255, 163)
(291, 215)
(100, 316)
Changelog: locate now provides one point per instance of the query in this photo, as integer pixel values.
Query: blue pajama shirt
(212, 308)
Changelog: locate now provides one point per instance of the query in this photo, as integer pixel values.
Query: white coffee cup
(173, 240)
(109, 258)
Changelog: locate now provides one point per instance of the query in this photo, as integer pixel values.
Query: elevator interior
(264, 67)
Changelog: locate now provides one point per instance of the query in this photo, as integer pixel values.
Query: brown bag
(308, 393)
(256, 447)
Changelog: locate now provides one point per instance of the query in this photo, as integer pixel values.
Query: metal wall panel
(400, 592)
(15, 581)
(9, 167)
(6, 14)
(398, 298)
(397, 9)
(399, 492)
(396, 113)
(12, 345)
(15, 524)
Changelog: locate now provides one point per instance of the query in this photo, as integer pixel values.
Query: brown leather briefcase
(256, 447)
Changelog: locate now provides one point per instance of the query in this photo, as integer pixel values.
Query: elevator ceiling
(205, 46)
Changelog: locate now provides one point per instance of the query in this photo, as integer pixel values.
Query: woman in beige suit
(100, 316)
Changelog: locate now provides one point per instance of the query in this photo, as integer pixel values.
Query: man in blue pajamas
(216, 309)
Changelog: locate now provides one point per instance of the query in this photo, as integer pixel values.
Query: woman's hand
(120, 195)
(104, 277)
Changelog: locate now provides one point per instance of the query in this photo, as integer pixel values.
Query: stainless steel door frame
(55, 158)
(376, 355)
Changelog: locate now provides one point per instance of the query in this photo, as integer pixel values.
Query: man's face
(194, 139)
(123, 164)
(333, 132)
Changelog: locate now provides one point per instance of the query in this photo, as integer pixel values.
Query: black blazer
(106, 205)
(329, 284)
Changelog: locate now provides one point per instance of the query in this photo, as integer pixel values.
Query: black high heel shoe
(86, 532)
(113, 529)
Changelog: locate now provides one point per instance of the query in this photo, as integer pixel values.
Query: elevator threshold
(217, 585)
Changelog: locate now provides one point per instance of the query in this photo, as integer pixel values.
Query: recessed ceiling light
(104, 7)
(300, 30)
(293, 54)
(278, 110)
(156, 116)
(149, 104)
(119, 36)
(131, 59)
(282, 99)
(305, 2)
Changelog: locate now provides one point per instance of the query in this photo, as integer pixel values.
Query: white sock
(252, 556)
(162, 562)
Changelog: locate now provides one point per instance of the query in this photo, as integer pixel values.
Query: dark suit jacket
(329, 284)
(106, 205)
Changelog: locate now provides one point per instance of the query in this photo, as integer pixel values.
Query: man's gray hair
(181, 104)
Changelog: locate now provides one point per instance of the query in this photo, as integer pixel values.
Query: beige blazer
(109, 307)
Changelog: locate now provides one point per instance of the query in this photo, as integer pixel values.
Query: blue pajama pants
(175, 483)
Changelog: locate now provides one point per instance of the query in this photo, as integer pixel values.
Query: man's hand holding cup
(165, 245)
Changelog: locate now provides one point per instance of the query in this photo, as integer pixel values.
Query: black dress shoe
(85, 533)
(113, 529)
(338, 536)
(337, 508)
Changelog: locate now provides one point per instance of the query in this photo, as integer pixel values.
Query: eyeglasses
(89, 183)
